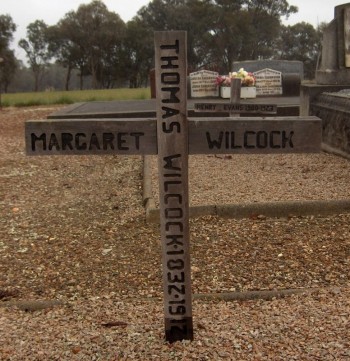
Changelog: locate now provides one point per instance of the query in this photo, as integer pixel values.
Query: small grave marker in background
(203, 84)
(268, 82)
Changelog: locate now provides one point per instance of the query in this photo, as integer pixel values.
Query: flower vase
(248, 92)
(225, 92)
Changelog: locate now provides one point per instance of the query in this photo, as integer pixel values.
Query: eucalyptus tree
(7, 28)
(185, 15)
(138, 53)
(36, 47)
(265, 23)
(220, 31)
(66, 52)
(229, 28)
(8, 62)
(8, 68)
(244, 29)
(99, 33)
(301, 42)
(90, 40)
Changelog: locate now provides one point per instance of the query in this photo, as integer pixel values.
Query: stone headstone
(333, 71)
(334, 67)
(284, 66)
(290, 73)
(268, 82)
(347, 36)
(203, 84)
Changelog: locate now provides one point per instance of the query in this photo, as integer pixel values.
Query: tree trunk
(68, 76)
(81, 81)
(36, 82)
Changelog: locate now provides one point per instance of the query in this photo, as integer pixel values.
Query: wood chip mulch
(73, 229)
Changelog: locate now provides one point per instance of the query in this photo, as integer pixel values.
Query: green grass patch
(74, 96)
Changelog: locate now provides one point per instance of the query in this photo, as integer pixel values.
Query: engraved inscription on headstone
(203, 84)
(236, 108)
(268, 82)
(347, 36)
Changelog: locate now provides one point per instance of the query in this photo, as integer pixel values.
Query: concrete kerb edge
(238, 211)
(267, 295)
(329, 149)
(285, 209)
(32, 305)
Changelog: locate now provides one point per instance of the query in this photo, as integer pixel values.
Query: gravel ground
(73, 229)
(234, 179)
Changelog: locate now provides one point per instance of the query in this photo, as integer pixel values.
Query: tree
(66, 52)
(220, 31)
(265, 25)
(245, 29)
(274, 8)
(8, 61)
(138, 53)
(7, 28)
(8, 67)
(161, 15)
(37, 49)
(90, 39)
(228, 33)
(301, 42)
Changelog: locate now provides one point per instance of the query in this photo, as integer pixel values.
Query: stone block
(284, 66)
(334, 110)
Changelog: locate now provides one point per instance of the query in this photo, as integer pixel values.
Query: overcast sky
(23, 12)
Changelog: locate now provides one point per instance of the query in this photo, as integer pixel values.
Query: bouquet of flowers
(247, 78)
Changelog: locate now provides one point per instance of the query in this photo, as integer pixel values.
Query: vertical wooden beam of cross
(172, 139)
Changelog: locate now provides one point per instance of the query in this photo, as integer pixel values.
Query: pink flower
(247, 78)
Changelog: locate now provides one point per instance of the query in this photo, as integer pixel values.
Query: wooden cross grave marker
(173, 137)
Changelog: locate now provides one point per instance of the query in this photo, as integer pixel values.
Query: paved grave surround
(286, 106)
(334, 110)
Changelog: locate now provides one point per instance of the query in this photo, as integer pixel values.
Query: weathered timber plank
(255, 135)
(91, 136)
(172, 133)
(206, 136)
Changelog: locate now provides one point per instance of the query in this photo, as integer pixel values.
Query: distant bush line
(70, 97)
